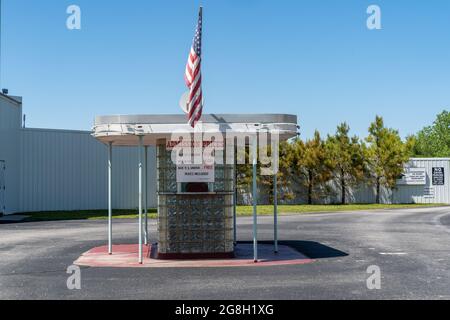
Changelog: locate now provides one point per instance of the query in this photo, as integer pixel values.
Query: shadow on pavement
(311, 249)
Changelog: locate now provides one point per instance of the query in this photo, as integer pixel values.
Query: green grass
(84, 215)
(241, 210)
(305, 209)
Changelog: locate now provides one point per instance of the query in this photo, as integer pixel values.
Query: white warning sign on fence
(413, 177)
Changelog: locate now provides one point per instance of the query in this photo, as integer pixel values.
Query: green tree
(346, 158)
(284, 175)
(311, 164)
(434, 140)
(385, 155)
(244, 173)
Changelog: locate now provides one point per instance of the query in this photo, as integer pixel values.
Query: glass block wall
(194, 223)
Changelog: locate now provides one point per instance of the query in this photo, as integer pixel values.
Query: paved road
(412, 248)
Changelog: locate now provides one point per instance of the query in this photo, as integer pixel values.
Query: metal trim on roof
(11, 99)
(430, 159)
(209, 118)
(124, 130)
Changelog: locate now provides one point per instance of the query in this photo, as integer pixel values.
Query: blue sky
(316, 59)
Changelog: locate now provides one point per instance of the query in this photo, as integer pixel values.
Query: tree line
(377, 160)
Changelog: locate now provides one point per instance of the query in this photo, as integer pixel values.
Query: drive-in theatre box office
(196, 201)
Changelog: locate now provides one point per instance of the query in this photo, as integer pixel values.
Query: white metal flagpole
(141, 260)
(110, 249)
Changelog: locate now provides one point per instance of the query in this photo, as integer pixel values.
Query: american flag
(193, 76)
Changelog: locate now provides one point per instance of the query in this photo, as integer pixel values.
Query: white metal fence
(429, 193)
(67, 170)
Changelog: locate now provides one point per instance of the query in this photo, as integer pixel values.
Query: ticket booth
(196, 199)
(195, 206)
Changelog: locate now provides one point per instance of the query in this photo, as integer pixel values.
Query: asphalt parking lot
(411, 248)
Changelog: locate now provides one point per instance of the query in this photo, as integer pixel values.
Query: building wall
(364, 193)
(67, 170)
(429, 193)
(10, 123)
(422, 194)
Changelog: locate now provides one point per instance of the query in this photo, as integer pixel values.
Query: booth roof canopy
(123, 129)
(208, 118)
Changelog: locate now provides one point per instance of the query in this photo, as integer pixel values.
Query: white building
(62, 170)
(10, 119)
(425, 181)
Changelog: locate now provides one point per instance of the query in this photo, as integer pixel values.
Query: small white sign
(187, 173)
(413, 177)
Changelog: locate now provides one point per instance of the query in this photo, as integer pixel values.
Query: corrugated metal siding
(67, 170)
(361, 194)
(10, 122)
(422, 194)
(367, 194)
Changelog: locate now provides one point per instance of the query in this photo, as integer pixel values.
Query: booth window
(196, 187)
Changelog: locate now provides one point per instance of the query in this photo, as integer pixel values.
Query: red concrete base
(194, 256)
(126, 256)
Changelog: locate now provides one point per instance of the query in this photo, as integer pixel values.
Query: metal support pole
(255, 199)
(157, 185)
(146, 193)
(275, 211)
(110, 248)
(141, 260)
(235, 198)
(276, 167)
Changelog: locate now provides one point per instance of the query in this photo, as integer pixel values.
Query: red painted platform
(126, 256)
